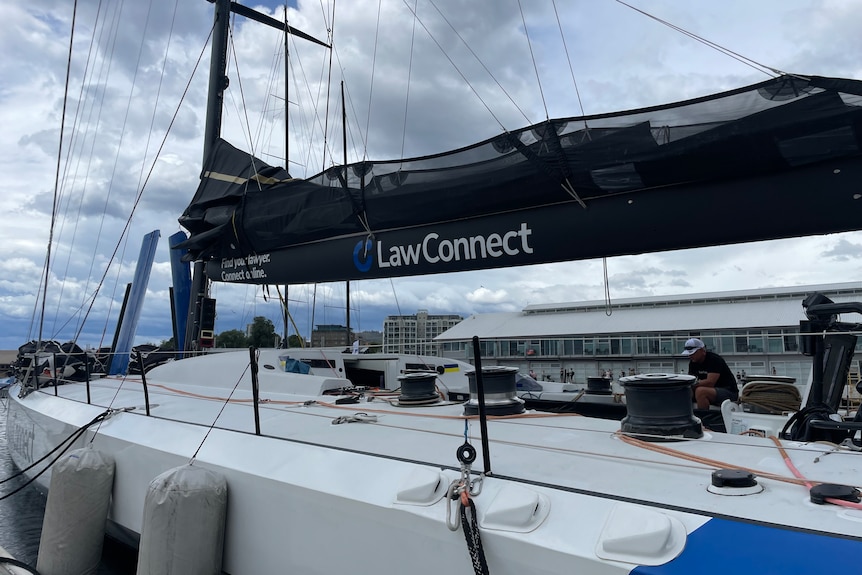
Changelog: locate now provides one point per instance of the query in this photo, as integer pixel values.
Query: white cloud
(620, 59)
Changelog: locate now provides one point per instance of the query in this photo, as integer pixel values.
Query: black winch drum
(598, 386)
(659, 407)
(418, 388)
(500, 388)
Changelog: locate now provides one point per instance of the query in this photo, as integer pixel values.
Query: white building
(755, 331)
(416, 333)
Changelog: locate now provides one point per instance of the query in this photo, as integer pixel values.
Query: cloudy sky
(459, 72)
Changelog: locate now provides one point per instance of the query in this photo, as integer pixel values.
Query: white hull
(566, 494)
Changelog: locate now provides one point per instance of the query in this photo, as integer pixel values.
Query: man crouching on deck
(715, 382)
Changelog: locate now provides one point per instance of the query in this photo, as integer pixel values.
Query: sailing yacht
(324, 477)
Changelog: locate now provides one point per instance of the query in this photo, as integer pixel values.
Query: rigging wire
(107, 37)
(330, 35)
(371, 84)
(762, 68)
(457, 69)
(571, 68)
(224, 405)
(314, 105)
(66, 169)
(92, 298)
(400, 315)
(533, 58)
(265, 130)
(158, 88)
(243, 108)
(123, 240)
(57, 172)
(409, 78)
(605, 283)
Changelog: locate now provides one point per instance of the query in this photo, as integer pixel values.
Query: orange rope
(798, 480)
(352, 406)
(798, 474)
(702, 460)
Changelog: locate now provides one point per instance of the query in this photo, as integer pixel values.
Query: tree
(168, 344)
(232, 338)
(262, 332)
(294, 341)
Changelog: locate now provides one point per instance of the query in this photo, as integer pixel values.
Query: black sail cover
(773, 160)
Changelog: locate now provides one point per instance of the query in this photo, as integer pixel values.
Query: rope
(471, 535)
(714, 463)
(608, 308)
(774, 397)
(789, 463)
(356, 418)
(68, 442)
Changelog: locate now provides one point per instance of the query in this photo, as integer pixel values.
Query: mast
(285, 311)
(346, 190)
(218, 82)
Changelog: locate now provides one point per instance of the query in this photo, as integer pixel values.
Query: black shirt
(713, 363)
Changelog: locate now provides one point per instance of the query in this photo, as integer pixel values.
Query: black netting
(752, 132)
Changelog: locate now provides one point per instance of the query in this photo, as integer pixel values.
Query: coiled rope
(774, 397)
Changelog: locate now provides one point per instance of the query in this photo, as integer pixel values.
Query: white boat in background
(324, 476)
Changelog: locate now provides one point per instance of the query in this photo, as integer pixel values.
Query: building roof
(744, 309)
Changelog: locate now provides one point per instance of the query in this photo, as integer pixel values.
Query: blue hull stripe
(724, 547)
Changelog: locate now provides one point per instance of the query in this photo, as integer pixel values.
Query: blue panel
(120, 361)
(724, 547)
(181, 276)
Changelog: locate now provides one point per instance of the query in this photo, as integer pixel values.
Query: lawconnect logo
(363, 257)
(432, 249)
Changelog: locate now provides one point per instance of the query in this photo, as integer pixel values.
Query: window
(487, 348)
(755, 344)
(666, 346)
(603, 347)
(644, 345)
(711, 343)
(577, 347)
(626, 346)
(776, 345)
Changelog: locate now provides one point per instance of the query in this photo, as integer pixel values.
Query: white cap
(692, 345)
